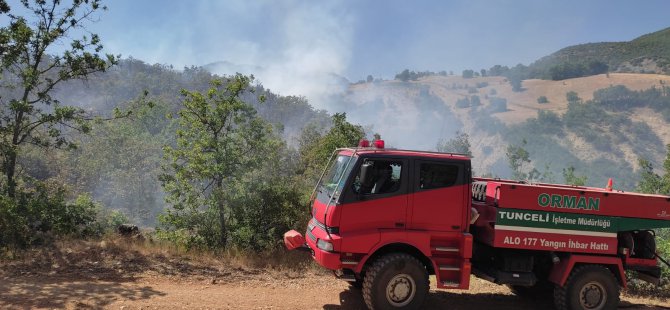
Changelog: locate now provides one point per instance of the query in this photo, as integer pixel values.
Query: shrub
(40, 215)
(475, 101)
(463, 102)
(482, 84)
(542, 99)
(498, 104)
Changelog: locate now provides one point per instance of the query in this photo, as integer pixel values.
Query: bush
(498, 104)
(542, 99)
(40, 215)
(664, 251)
(463, 102)
(475, 101)
(643, 288)
(37, 217)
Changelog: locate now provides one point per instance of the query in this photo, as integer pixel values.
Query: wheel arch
(560, 272)
(396, 247)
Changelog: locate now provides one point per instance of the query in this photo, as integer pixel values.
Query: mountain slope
(600, 140)
(649, 53)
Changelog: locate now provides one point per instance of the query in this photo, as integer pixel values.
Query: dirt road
(122, 275)
(260, 291)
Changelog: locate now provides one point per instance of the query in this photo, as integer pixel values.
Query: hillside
(601, 142)
(523, 105)
(649, 53)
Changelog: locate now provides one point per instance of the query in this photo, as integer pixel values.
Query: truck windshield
(333, 181)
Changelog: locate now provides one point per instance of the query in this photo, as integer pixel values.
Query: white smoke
(310, 53)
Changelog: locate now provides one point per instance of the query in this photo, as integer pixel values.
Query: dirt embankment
(91, 276)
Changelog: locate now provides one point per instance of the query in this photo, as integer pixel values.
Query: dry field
(523, 105)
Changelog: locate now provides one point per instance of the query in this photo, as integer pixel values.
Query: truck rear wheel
(589, 287)
(395, 281)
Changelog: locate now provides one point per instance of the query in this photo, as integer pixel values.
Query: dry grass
(118, 258)
(523, 105)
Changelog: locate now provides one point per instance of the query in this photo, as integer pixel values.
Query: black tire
(392, 274)
(646, 245)
(358, 284)
(589, 287)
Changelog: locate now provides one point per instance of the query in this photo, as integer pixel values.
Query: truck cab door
(440, 197)
(381, 204)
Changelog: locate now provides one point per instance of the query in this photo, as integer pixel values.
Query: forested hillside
(119, 162)
(649, 53)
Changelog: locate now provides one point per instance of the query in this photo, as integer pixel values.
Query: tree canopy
(219, 138)
(29, 113)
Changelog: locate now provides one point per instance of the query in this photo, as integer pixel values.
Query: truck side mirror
(366, 177)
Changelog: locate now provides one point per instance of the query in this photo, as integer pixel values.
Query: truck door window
(386, 178)
(433, 175)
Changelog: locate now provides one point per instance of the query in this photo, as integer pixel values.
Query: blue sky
(295, 41)
(371, 37)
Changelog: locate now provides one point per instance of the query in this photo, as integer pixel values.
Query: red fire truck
(386, 219)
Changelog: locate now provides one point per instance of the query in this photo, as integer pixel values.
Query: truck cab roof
(403, 153)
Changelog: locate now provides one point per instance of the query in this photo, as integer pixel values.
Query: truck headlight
(324, 245)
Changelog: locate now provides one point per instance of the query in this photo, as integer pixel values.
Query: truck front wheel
(589, 287)
(395, 281)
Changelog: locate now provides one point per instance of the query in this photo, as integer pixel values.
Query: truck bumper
(326, 259)
(294, 240)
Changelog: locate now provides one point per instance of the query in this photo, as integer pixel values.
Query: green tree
(468, 74)
(267, 202)
(459, 144)
(516, 82)
(219, 139)
(651, 182)
(316, 148)
(403, 76)
(519, 160)
(573, 179)
(120, 161)
(572, 97)
(29, 114)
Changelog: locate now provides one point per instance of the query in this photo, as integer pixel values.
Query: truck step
(350, 262)
(449, 268)
(446, 249)
(450, 284)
